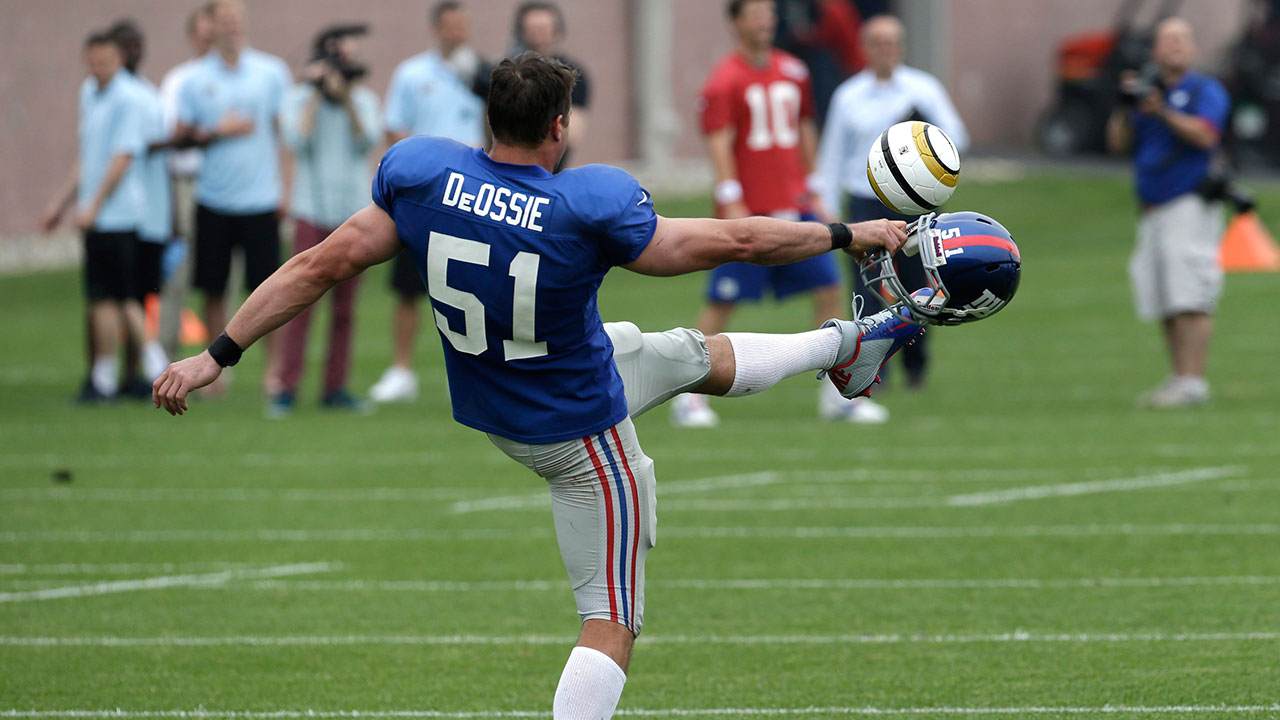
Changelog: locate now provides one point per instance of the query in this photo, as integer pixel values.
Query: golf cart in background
(1089, 68)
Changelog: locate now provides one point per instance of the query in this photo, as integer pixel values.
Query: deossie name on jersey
(500, 204)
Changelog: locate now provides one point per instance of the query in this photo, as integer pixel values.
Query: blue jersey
(1166, 166)
(512, 257)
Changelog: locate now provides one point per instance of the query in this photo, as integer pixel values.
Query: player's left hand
(170, 389)
(889, 234)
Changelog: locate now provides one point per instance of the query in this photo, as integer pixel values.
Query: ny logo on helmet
(985, 304)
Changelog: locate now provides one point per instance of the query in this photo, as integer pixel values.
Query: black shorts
(147, 259)
(216, 234)
(405, 279)
(109, 265)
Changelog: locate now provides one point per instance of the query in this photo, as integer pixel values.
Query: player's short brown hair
(526, 93)
(734, 7)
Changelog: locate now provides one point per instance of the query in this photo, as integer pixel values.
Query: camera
(326, 52)
(1148, 80)
(1219, 186)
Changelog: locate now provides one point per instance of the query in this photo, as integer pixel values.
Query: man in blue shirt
(230, 103)
(432, 93)
(109, 206)
(513, 255)
(1174, 132)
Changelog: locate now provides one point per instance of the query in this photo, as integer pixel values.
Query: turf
(866, 582)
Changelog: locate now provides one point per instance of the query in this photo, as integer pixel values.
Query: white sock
(762, 360)
(103, 375)
(154, 361)
(589, 686)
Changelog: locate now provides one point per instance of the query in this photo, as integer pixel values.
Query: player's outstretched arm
(684, 245)
(369, 237)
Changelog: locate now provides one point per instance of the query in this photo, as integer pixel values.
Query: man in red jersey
(757, 115)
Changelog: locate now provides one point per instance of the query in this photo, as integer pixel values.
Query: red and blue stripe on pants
(622, 508)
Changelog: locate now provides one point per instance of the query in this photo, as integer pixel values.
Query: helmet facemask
(879, 272)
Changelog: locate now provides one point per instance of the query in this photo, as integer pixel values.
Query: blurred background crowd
(253, 129)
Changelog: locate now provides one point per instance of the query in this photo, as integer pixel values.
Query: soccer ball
(913, 167)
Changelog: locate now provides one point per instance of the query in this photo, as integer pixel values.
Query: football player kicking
(513, 256)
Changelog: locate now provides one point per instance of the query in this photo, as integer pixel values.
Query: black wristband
(225, 351)
(841, 236)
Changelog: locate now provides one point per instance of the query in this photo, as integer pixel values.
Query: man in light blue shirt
(433, 93)
(885, 93)
(230, 103)
(330, 125)
(109, 205)
(145, 359)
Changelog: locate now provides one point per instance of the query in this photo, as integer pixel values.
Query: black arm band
(841, 236)
(225, 351)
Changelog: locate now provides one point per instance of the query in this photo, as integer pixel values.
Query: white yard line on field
(112, 568)
(1017, 636)
(784, 504)
(165, 581)
(541, 500)
(661, 584)
(851, 711)
(205, 495)
(713, 532)
(1140, 482)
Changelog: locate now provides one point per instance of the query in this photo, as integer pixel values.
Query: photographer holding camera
(330, 123)
(1172, 120)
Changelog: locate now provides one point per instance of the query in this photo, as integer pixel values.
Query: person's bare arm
(369, 237)
(66, 195)
(1119, 132)
(395, 136)
(720, 148)
(809, 156)
(685, 245)
(579, 120)
(286, 171)
(116, 171)
(1190, 129)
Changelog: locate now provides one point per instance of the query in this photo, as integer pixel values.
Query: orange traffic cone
(192, 332)
(1248, 247)
(152, 306)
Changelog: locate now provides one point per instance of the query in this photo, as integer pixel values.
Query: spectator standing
(230, 104)
(757, 115)
(1174, 128)
(540, 27)
(432, 93)
(826, 35)
(184, 166)
(330, 124)
(145, 359)
(884, 93)
(109, 203)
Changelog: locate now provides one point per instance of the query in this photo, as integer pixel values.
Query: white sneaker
(832, 406)
(691, 410)
(154, 360)
(1177, 392)
(397, 384)
(867, 411)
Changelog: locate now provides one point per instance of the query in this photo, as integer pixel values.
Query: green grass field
(1019, 541)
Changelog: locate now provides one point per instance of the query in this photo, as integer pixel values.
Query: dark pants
(915, 357)
(305, 237)
(258, 236)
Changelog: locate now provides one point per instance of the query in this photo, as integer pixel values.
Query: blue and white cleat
(867, 344)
